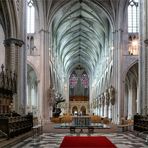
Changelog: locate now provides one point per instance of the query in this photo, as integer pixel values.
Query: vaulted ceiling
(80, 31)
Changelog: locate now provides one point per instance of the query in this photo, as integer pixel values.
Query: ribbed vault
(80, 35)
(80, 31)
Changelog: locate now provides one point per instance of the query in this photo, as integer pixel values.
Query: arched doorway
(75, 110)
(131, 92)
(83, 110)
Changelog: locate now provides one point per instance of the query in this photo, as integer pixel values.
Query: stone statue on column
(99, 101)
(106, 95)
(112, 94)
(58, 99)
(102, 99)
(51, 93)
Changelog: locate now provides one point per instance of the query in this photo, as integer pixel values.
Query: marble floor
(53, 140)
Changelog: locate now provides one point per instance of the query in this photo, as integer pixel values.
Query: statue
(102, 99)
(112, 95)
(58, 99)
(106, 94)
(51, 95)
(99, 101)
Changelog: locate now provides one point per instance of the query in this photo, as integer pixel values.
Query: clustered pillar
(13, 46)
(105, 103)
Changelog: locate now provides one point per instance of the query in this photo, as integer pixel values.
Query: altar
(81, 121)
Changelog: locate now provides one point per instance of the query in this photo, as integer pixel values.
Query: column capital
(44, 30)
(10, 41)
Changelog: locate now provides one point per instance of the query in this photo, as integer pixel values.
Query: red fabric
(86, 142)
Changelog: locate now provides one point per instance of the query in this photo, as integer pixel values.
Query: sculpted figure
(99, 100)
(102, 99)
(58, 99)
(106, 94)
(112, 95)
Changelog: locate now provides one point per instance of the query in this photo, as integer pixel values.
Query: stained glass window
(84, 80)
(73, 80)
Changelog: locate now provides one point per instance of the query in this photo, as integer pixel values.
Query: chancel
(73, 68)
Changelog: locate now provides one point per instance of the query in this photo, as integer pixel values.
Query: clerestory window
(30, 17)
(133, 16)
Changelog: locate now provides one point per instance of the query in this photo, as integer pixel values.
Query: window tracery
(133, 16)
(73, 80)
(30, 16)
(84, 80)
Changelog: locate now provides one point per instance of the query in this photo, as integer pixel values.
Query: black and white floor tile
(52, 140)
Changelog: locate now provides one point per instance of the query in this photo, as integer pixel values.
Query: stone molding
(10, 41)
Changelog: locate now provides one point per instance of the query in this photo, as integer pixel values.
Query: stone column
(106, 95)
(118, 62)
(12, 45)
(99, 105)
(12, 54)
(103, 103)
(138, 100)
(111, 91)
(101, 109)
(51, 96)
(143, 65)
(44, 76)
(126, 101)
(130, 104)
(110, 111)
(29, 96)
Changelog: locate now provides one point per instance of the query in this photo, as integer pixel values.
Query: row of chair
(69, 118)
(140, 123)
(15, 125)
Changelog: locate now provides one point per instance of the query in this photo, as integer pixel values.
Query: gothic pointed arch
(75, 110)
(32, 91)
(131, 91)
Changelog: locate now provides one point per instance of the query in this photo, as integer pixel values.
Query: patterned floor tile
(52, 140)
